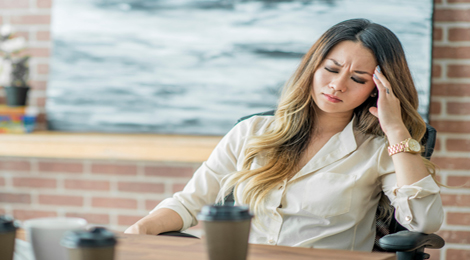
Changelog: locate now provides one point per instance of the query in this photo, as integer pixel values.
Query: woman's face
(344, 79)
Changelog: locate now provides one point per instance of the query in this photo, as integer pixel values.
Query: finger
(383, 80)
(374, 111)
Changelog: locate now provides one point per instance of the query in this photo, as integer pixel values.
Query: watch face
(414, 145)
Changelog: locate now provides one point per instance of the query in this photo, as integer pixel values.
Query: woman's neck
(330, 123)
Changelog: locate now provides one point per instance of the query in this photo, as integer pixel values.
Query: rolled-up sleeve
(206, 182)
(418, 206)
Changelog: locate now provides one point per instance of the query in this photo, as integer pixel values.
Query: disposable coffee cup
(7, 237)
(96, 244)
(227, 230)
(45, 234)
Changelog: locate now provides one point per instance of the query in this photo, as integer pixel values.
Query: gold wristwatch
(410, 145)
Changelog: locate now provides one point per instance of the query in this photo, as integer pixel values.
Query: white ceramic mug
(45, 234)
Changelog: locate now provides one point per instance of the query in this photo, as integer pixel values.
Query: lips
(332, 98)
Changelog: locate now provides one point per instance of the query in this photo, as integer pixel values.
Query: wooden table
(143, 247)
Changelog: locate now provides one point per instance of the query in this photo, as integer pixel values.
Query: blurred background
(116, 187)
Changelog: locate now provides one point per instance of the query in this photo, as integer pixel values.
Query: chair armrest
(177, 234)
(408, 241)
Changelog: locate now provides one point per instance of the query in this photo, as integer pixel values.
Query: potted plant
(14, 70)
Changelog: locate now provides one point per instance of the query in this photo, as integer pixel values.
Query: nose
(339, 83)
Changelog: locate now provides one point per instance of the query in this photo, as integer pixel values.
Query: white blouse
(330, 203)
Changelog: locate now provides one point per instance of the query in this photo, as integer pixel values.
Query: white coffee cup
(45, 234)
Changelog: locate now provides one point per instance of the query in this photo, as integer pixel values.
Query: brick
(22, 214)
(2, 211)
(448, 126)
(61, 200)
(435, 108)
(114, 169)
(38, 84)
(457, 254)
(44, 3)
(436, 71)
(450, 90)
(458, 108)
(121, 203)
(90, 217)
(458, 145)
(167, 171)
(450, 163)
(86, 185)
(178, 187)
(458, 218)
(43, 36)
(447, 52)
(62, 167)
(435, 254)
(31, 19)
(15, 165)
(458, 71)
(452, 15)
(437, 34)
(457, 1)
(22, 34)
(43, 68)
(142, 187)
(124, 220)
(15, 198)
(459, 34)
(458, 200)
(13, 4)
(453, 236)
(438, 1)
(34, 182)
(39, 52)
(459, 181)
(41, 101)
(2, 181)
(151, 204)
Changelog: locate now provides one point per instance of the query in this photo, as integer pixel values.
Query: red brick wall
(118, 193)
(110, 193)
(450, 115)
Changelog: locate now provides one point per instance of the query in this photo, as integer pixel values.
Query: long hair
(289, 134)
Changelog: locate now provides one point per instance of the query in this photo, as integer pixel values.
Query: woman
(345, 130)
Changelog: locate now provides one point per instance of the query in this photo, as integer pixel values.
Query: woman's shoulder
(255, 125)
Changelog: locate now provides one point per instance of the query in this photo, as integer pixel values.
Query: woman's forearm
(409, 167)
(159, 221)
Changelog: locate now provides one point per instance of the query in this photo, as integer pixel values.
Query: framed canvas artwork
(195, 67)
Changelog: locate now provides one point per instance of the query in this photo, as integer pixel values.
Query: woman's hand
(136, 229)
(388, 109)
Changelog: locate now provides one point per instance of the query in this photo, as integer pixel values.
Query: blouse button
(271, 241)
(408, 218)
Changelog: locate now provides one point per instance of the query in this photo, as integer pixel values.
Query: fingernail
(375, 76)
(378, 69)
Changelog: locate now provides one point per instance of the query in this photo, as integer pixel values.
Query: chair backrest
(383, 227)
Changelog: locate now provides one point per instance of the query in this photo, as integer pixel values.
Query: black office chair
(392, 237)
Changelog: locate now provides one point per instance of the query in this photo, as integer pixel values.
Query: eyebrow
(356, 71)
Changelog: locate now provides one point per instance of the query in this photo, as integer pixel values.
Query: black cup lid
(7, 224)
(223, 213)
(96, 237)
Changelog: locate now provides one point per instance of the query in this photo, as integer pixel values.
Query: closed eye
(354, 79)
(358, 80)
(330, 70)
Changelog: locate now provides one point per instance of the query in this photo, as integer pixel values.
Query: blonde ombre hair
(294, 124)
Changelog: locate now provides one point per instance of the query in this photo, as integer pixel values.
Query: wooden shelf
(138, 147)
